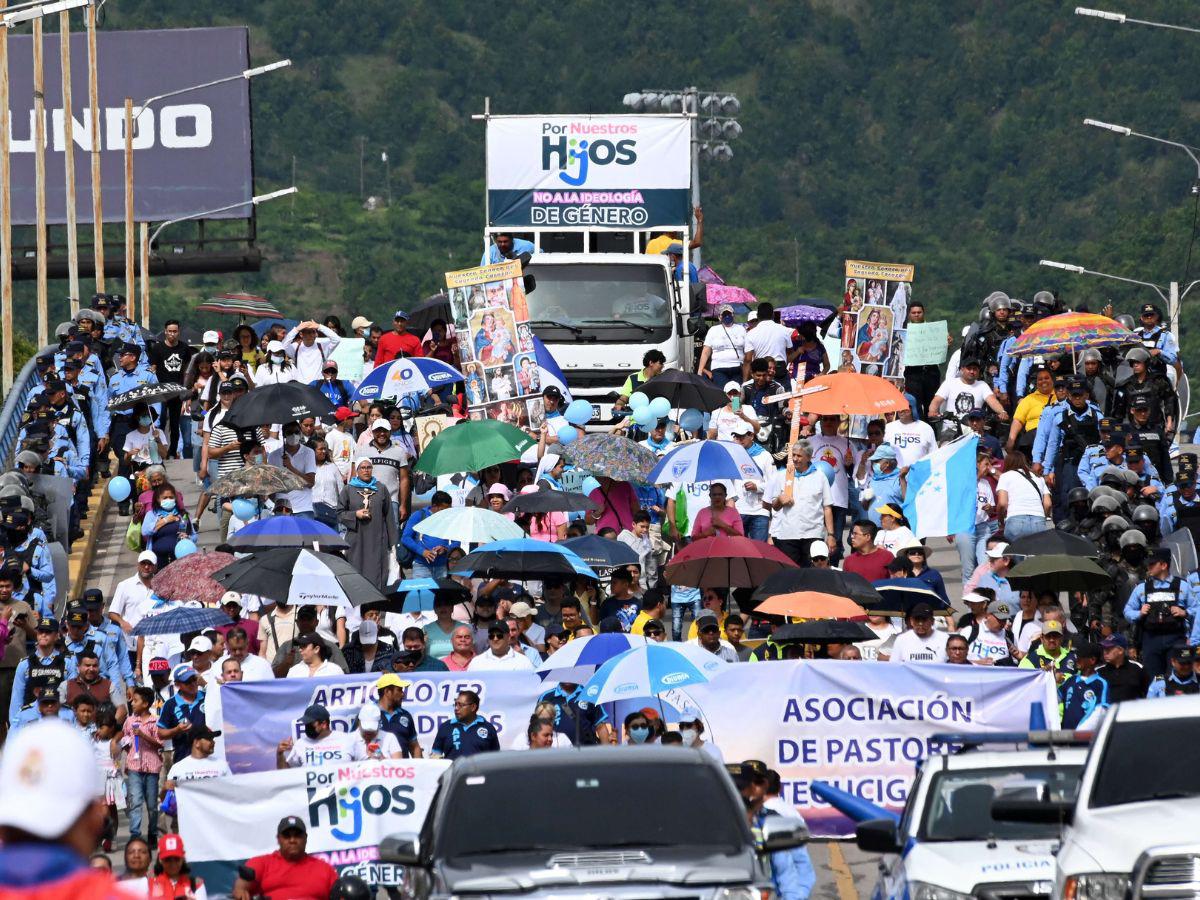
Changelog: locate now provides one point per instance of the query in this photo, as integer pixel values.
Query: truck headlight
(1096, 886)
(920, 890)
(738, 893)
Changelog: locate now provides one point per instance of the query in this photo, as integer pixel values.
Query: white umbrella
(469, 525)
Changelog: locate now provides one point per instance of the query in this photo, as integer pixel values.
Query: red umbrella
(725, 561)
(190, 578)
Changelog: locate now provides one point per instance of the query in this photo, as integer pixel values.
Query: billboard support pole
(94, 111)
(144, 240)
(64, 45)
(6, 295)
(129, 277)
(39, 156)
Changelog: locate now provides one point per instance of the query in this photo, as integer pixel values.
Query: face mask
(1134, 555)
(639, 735)
(365, 332)
(310, 730)
(690, 736)
(292, 440)
(727, 319)
(277, 357)
(144, 420)
(167, 503)
(877, 468)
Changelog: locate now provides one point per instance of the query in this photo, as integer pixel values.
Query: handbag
(133, 536)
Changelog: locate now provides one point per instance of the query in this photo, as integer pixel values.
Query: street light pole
(1122, 19)
(94, 112)
(6, 294)
(64, 58)
(39, 166)
(1125, 131)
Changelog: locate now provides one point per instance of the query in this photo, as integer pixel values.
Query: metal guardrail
(14, 406)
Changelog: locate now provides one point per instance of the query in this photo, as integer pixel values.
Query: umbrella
(148, 394)
(725, 561)
(181, 620)
(407, 375)
(826, 581)
(804, 312)
(272, 403)
(421, 316)
(257, 481)
(811, 605)
(523, 558)
(546, 500)
(470, 525)
(611, 455)
(602, 554)
(1069, 332)
(260, 327)
(902, 594)
(577, 660)
(1052, 541)
(850, 393)
(190, 578)
(651, 670)
(418, 594)
(286, 531)
(299, 577)
(718, 295)
(685, 390)
(697, 461)
(1058, 572)
(473, 446)
(823, 631)
(240, 305)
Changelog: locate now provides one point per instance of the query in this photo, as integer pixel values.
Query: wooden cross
(794, 432)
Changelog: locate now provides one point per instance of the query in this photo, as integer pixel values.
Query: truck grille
(1168, 873)
(1013, 890)
(599, 859)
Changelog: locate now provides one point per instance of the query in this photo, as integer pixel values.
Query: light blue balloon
(245, 509)
(566, 434)
(691, 420)
(185, 547)
(579, 412)
(120, 488)
(827, 470)
(589, 484)
(645, 416)
(660, 406)
(637, 400)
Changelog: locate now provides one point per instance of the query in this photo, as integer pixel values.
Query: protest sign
(348, 809)
(874, 315)
(348, 354)
(925, 344)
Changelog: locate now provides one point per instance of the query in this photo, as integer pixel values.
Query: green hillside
(945, 133)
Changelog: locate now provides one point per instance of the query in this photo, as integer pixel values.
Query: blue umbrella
(602, 554)
(181, 620)
(523, 558)
(286, 531)
(260, 327)
(650, 670)
(705, 461)
(407, 375)
(577, 661)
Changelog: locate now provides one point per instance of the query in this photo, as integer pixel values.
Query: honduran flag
(941, 495)
(550, 372)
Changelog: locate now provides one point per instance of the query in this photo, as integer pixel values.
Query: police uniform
(455, 738)
(1079, 696)
(1154, 444)
(573, 716)
(1073, 432)
(1157, 337)
(35, 674)
(1162, 401)
(34, 552)
(111, 635)
(1172, 685)
(121, 382)
(1160, 629)
(1185, 513)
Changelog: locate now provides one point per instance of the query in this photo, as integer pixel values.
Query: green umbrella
(1059, 572)
(473, 446)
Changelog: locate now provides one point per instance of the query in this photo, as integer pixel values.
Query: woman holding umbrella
(370, 530)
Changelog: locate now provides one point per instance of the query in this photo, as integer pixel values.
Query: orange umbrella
(850, 394)
(812, 605)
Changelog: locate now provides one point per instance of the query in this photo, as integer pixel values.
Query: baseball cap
(998, 551)
(1148, 308)
(888, 510)
(330, 364)
(689, 717)
(130, 348)
(884, 451)
(170, 845)
(47, 623)
(368, 632)
(159, 664)
(211, 337)
(315, 713)
(342, 413)
(400, 314)
(382, 425)
(1181, 651)
(1000, 609)
(973, 597)
(921, 611)
(818, 550)
(552, 391)
(231, 597)
(291, 823)
(725, 308)
(675, 249)
(708, 623)
(307, 639)
(741, 427)
(183, 672)
(521, 610)
(200, 644)
(497, 629)
(1076, 385)
(76, 616)
(501, 489)
(238, 382)
(203, 733)
(148, 556)
(732, 387)
(275, 347)
(391, 680)
(369, 718)
(1134, 455)
(49, 775)
(1113, 640)
(1113, 439)
(975, 413)
(1052, 627)
(360, 322)
(1159, 554)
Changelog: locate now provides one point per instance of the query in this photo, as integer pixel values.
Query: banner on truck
(874, 317)
(591, 171)
(190, 153)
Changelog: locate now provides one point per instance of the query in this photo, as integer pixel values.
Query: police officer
(1181, 679)
(1158, 341)
(1153, 440)
(45, 669)
(467, 733)
(985, 340)
(583, 723)
(80, 634)
(1185, 505)
(1108, 453)
(1163, 402)
(1160, 606)
(115, 645)
(1078, 427)
(33, 554)
(1079, 519)
(127, 377)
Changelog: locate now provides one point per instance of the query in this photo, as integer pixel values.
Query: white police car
(947, 846)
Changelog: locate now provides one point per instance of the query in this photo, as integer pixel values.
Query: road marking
(841, 872)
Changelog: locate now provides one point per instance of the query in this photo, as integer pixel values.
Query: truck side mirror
(783, 833)
(403, 849)
(877, 836)
(692, 324)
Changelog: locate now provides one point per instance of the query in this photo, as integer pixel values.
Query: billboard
(190, 153)
(594, 171)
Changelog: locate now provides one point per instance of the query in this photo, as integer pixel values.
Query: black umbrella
(548, 500)
(421, 316)
(1059, 572)
(398, 594)
(148, 394)
(685, 390)
(900, 595)
(602, 554)
(298, 577)
(278, 403)
(826, 581)
(521, 559)
(1062, 543)
(823, 631)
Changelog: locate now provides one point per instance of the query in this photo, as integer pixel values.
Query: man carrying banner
(289, 871)
(320, 745)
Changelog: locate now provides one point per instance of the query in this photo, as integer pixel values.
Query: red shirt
(392, 345)
(872, 567)
(250, 626)
(308, 878)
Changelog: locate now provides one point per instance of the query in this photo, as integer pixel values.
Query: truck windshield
(599, 296)
(1134, 766)
(626, 805)
(959, 806)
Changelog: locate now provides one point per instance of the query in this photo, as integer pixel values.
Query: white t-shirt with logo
(305, 461)
(190, 768)
(912, 442)
(961, 397)
(769, 340)
(335, 747)
(749, 503)
(832, 449)
(987, 645)
(909, 647)
(728, 346)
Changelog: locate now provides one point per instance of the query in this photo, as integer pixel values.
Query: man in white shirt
(342, 447)
(131, 601)
(500, 655)
(708, 636)
(964, 393)
(992, 644)
(379, 744)
(833, 449)
(237, 648)
(770, 340)
(911, 438)
(803, 510)
(748, 493)
(309, 352)
(202, 762)
(320, 745)
(922, 643)
(300, 461)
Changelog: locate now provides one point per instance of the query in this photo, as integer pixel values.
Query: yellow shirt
(1029, 410)
(639, 623)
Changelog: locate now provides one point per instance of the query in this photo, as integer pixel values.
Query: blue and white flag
(552, 375)
(941, 494)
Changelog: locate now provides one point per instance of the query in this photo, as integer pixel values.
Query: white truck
(947, 846)
(1134, 830)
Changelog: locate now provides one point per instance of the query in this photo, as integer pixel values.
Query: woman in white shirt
(1022, 499)
(724, 349)
(893, 532)
(314, 659)
(329, 489)
(278, 368)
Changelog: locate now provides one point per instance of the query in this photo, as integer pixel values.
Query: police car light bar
(1035, 738)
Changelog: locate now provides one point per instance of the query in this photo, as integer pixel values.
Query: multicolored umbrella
(718, 295)
(298, 576)
(190, 578)
(257, 481)
(611, 455)
(577, 660)
(472, 447)
(1070, 332)
(286, 531)
(240, 305)
(827, 581)
(651, 670)
(850, 394)
(697, 461)
(725, 561)
(181, 620)
(408, 375)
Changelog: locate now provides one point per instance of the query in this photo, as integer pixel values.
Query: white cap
(49, 775)
(361, 322)
(521, 610)
(148, 556)
(973, 597)
(231, 597)
(211, 337)
(818, 549)
(383, 424)
(752, 316)
(732, 386)
(368, 632)
(998, 551)
(274, 347)
(368, 716)
(201, 644)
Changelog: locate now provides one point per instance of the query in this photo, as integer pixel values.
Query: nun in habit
(370, 531)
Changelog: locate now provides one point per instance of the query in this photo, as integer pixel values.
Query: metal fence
(14, 406)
